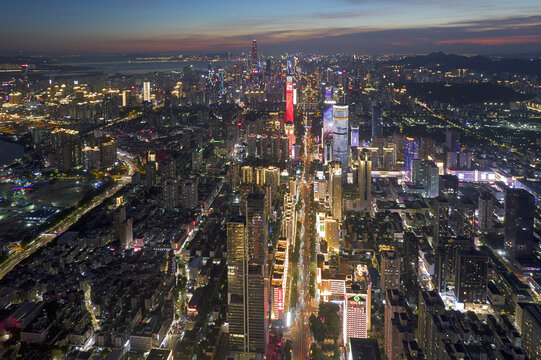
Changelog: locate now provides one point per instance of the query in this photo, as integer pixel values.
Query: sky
(59, 27)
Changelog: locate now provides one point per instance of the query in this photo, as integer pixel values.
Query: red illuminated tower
(289, 99)
(254, 64)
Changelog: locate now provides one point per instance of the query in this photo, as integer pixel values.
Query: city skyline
(63, 27)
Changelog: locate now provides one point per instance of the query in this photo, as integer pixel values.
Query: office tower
(529, 323)
(446, 260)
(188, 193)
(254, 63)
(390, 271)
(354, 136)
(335, 176)
(471, 276)
(398, 325)
(170, 193)
(441, 220)
(126, 233)
(411, 151)
(486, 212)
(357, 316)
(327, 117)
(236, 283)
(340, 135)
(150, 174)
(290, 133)
(146, 91)
(289, 99)
(518, 223)
(332, 236)
(452, 140)
(426, 174)
(256, 243)
(107, 152)
(377, 122)
(364, 178)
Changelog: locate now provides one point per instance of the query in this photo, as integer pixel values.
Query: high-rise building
(486, 212)
(446, 260)
(146, 91)
(335, 176)
(530, 325)
(254, 61)
(441, 220)
(518, 223)
(289, 99)
(150, 174)
(188, 193)
(332, 235)
(430, 304)
(364, 178)
(426, 174)
(452, 140)
(471, 276)
(357, 316)
(340, 135)
(170, 193)
(354, 142)
(377, 121)
(390, 271)
(411, 151)
(290, 133)
(126, 233)
(398, 325)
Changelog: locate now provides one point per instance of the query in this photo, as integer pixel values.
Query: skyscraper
(377, 121)
(289, 99)
(335, 176)
(486, 212)
(518, 223)
(471, 276)
(390, 271)
(452, 140)
(340, 134)
(254, 59)
(170, 193)
(247, 281)
(411, 151)
(146, 91)
(364, 178)
(354, 136)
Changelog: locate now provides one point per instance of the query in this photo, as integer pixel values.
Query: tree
(316, 353)
(317, 328)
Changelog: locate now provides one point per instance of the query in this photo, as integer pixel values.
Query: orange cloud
(518, 39)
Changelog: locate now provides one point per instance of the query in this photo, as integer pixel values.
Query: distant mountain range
(479, 63)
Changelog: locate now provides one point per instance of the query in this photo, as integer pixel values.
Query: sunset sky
(358, 26)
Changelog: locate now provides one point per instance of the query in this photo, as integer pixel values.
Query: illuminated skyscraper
(390, 271)
(340, 134)
(290, 132)
(411, 151)
(289, 99)
(247, 281)
(146, 91)
(254, 61)
(335, 176)
(377, 122)
(364, 178)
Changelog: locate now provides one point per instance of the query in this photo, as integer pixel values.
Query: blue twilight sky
(358, 26)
